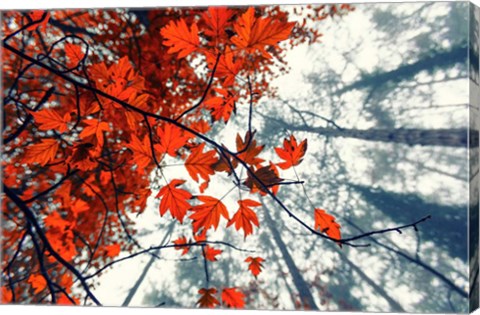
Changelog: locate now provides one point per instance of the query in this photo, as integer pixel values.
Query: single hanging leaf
(221, 107)
(208, 299)
(42, 152)
(180, 39)
(257, 33)
(245, 217)
(172, 138)
(74, 54)
(208, 214)
(142, 153)
(174, 199)
(255, 265)
(49, 119)
(291, 152)
(267, 176)
(211, 253)
(216, 19)
(200, 163)
(326, 224)
(182, 241)
(248, 155)
(233, 298)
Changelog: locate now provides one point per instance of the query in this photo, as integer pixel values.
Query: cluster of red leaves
(92, 156)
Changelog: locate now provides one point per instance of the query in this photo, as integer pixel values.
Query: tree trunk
(300, 283)
(436, 59)
(140, 279)
(411, 137)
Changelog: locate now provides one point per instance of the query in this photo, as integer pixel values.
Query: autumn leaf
(245, 216)
(221, 107)
(180, 39)
(249, 150)
(200, 163)
(255, 265)
(257, 33)
(174, 199)
(74, 54)
(42, 152)
(6, 296)
(94, 127)
(291, 152)
(112, 250)
(208, 299)
(211, 253)
(233, 298)
(39, 16)
(172, 138)
(207, 214)
(216, 19)
(182, 241)
(264, 177)
(64, 300)
(49, 119)
(82, 156)
(227, 67)
(37, 282)
(326, 224)
(142, 154)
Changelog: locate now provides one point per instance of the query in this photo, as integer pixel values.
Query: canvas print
(284, 157)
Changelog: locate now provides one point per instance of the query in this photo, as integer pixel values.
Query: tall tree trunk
(300, 283)
(411, 137)
(140, 279)
(436, 59)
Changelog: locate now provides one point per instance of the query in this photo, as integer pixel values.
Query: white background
(49, 4)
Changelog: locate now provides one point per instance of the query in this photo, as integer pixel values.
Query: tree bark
(300, 283)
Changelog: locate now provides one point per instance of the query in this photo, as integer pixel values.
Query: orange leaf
(233, 298)
(255, 265)
(256, 33)
(182, 241)
(326, 224)
(267, 176)
(216, 19)
(200, 163)
(245, 216)
(42, 152)
(211, 253)
(221, 107)
(207, 298)
(112, 250)
(227, 67)
(172, 138)
(291, 152)
(180, 39)
(49, 119)
(174, 199)
(208, 214)
(94, 127)
(142, 154)
(249, 156)
(74, 54)
(38, 283)
(39, 16)
(6, 296)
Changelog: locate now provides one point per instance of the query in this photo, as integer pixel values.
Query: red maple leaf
(255, 265)
(208, 298)
(42, 152)
(211, 253)
(200, 163)
(172, 138)
(245, 216)
(249, 150)
(326, 224)
(174, 199)
(291, 152)
(180, 39)
(182, 241)
(256, 33)
(233, 298)
(221, 107)
(49, 119)
(208, 214)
